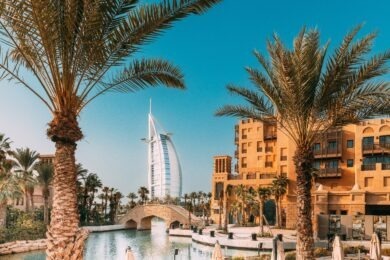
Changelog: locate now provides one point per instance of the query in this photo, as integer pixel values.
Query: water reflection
(153, 245)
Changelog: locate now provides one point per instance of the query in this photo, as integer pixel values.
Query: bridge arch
(140, 216)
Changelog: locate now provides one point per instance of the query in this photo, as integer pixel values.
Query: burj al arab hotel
(164, 170)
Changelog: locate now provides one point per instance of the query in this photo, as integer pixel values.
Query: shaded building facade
(352, 162)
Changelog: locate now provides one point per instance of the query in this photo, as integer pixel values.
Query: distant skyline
(212, 50)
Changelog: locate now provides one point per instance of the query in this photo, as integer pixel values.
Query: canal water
(153, 245)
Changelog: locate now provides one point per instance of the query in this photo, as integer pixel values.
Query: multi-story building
(352, 162)
(164, 170)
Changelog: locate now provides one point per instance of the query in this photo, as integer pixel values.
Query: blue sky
(212, 50)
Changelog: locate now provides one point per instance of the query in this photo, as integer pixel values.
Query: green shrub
(319, 252)
(355, 249)
(290, 256)
(23, 226)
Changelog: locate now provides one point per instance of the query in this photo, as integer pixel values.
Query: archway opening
(174, 224)
(150, 222)
(131, 224)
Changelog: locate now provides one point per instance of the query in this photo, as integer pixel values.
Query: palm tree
(77, 51)
(228, 192)
(92, 184)
(235, 208)
(306, 95)
(143, 194)
(26, 161)
(5, 147)
(9, 188)
(278, 189)
(263, 194)
(241, 191)
(105, 190)
(132, 196)
(45, 176)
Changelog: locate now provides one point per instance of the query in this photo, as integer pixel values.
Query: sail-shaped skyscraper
(164, 170)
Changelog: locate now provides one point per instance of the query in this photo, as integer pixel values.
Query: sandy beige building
(353, 165)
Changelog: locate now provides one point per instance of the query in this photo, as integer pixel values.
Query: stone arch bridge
(140, 216)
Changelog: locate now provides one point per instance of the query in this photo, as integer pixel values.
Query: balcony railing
(234, 177)
(383, 147)
(368, 167)
(270, 175)
(269, 149)
(385, 166)
(268, 164)
(251, 176)
(329, 173)
(270, 135)
(283, 158)
(327, 152)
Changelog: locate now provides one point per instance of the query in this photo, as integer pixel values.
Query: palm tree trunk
(26, 200)
(303, 159)
(3, 213)
(226, 217)
(277, 206)
(32, 198)
(65, 240)
(46, 210)
(261, 218)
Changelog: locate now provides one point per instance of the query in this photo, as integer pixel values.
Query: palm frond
(141, 74)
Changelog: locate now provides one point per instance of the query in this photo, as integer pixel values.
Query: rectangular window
(350, 143)
(386, 181)
(350, 163)
(343, 212)
(244, 133)
(259, 147)
(368, 181)
(317, 165)
(243, 162)
(332, 145)
(244, 148)
(317, 147)
(332, 164)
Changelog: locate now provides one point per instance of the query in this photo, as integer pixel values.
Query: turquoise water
(154, 245)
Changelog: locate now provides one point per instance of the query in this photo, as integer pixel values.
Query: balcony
(327, 152)
(385, 166)
(234, 177)
(243, 165)
(251, 176)
(329, 173)
(376, 148)
(243, 150)
(235, 154)
(269, 149)
(269, 175)
(268, 164)
(283, 158)
(368, 167)
(270, 135)
(259, 149)
(244, 136)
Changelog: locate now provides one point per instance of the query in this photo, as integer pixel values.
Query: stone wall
(22, 246)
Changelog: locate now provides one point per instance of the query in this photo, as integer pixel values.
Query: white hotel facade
(164, 170)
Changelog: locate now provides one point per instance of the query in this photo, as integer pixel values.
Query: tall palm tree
(278, 189)
(9, 188)
(5, 147)
(143, 194)
(241, 191)
(263, 194)
(26, 161)
(45, 176)
(105, 190)
(235, 208)
(77, 51)
(228, 192)
(92, 184)
(132, 196)
(306, 95)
